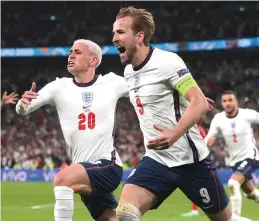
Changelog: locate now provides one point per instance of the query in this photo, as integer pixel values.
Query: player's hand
(210, 102)
(9, 99)
(165, 140)
(211, 141)
(28, 96)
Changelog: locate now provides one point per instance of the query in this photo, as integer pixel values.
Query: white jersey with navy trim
(237, 133)
(86, 113)
(153, 95)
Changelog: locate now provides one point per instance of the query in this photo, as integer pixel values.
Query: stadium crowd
(59, 23)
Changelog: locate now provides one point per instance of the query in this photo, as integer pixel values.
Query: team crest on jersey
(233, 124)
(87, 98)
(183, 72)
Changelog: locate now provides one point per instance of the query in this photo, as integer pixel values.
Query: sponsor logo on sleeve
(183, 72)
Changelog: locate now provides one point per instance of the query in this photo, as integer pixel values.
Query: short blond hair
(93, 47)
(142, 21)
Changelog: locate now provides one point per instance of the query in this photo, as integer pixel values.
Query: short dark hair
(142, 21)
(229, 92)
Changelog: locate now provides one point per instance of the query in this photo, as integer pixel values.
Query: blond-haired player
(86, 109)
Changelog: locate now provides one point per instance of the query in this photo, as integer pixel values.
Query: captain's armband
(185, 84)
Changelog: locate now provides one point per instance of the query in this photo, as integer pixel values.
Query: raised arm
(32, 100)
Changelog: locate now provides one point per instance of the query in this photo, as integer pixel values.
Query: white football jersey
(152, 93)
(237, 133)
(86, 113)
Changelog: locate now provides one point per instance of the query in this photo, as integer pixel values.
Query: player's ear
(94, 61)
(140, 36)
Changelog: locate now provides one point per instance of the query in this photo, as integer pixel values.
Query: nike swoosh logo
(84, 107)
(207, 207)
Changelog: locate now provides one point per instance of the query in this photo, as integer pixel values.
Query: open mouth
(70, 63)
(121, 49)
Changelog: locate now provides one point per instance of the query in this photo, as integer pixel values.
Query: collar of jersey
(233, 116)
(151, 49)
(86, 84)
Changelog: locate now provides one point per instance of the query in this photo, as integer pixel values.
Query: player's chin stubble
(230, 111)
(124, 61)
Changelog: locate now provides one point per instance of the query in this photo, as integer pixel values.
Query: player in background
(9, 99)
(195, 208)
(235, 125)
(86, 109)
(168, 103)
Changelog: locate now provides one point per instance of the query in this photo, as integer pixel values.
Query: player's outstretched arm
(23, 104)
(32, 100)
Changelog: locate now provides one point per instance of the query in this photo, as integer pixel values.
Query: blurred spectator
(59, 23)
(9, 99)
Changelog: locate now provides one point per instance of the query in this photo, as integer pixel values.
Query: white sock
(236, 203)
(236, 197)
(64, 206)
(235, 217)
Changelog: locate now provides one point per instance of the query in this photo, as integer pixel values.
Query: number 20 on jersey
(89, 117)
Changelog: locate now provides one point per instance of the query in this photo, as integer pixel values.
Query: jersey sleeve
(213, 131)
(46, 96)
(253, 116)
(179, 75)
(122, 87)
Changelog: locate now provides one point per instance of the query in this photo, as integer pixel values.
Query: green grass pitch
(34, 202)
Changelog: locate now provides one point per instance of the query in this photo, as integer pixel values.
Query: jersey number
(90, 121)
(141, 108)
(234, 138)
(205, 195)
(242, 165)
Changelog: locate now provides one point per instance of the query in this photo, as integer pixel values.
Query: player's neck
(233, 114)
(140, 56)
(85, 77)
